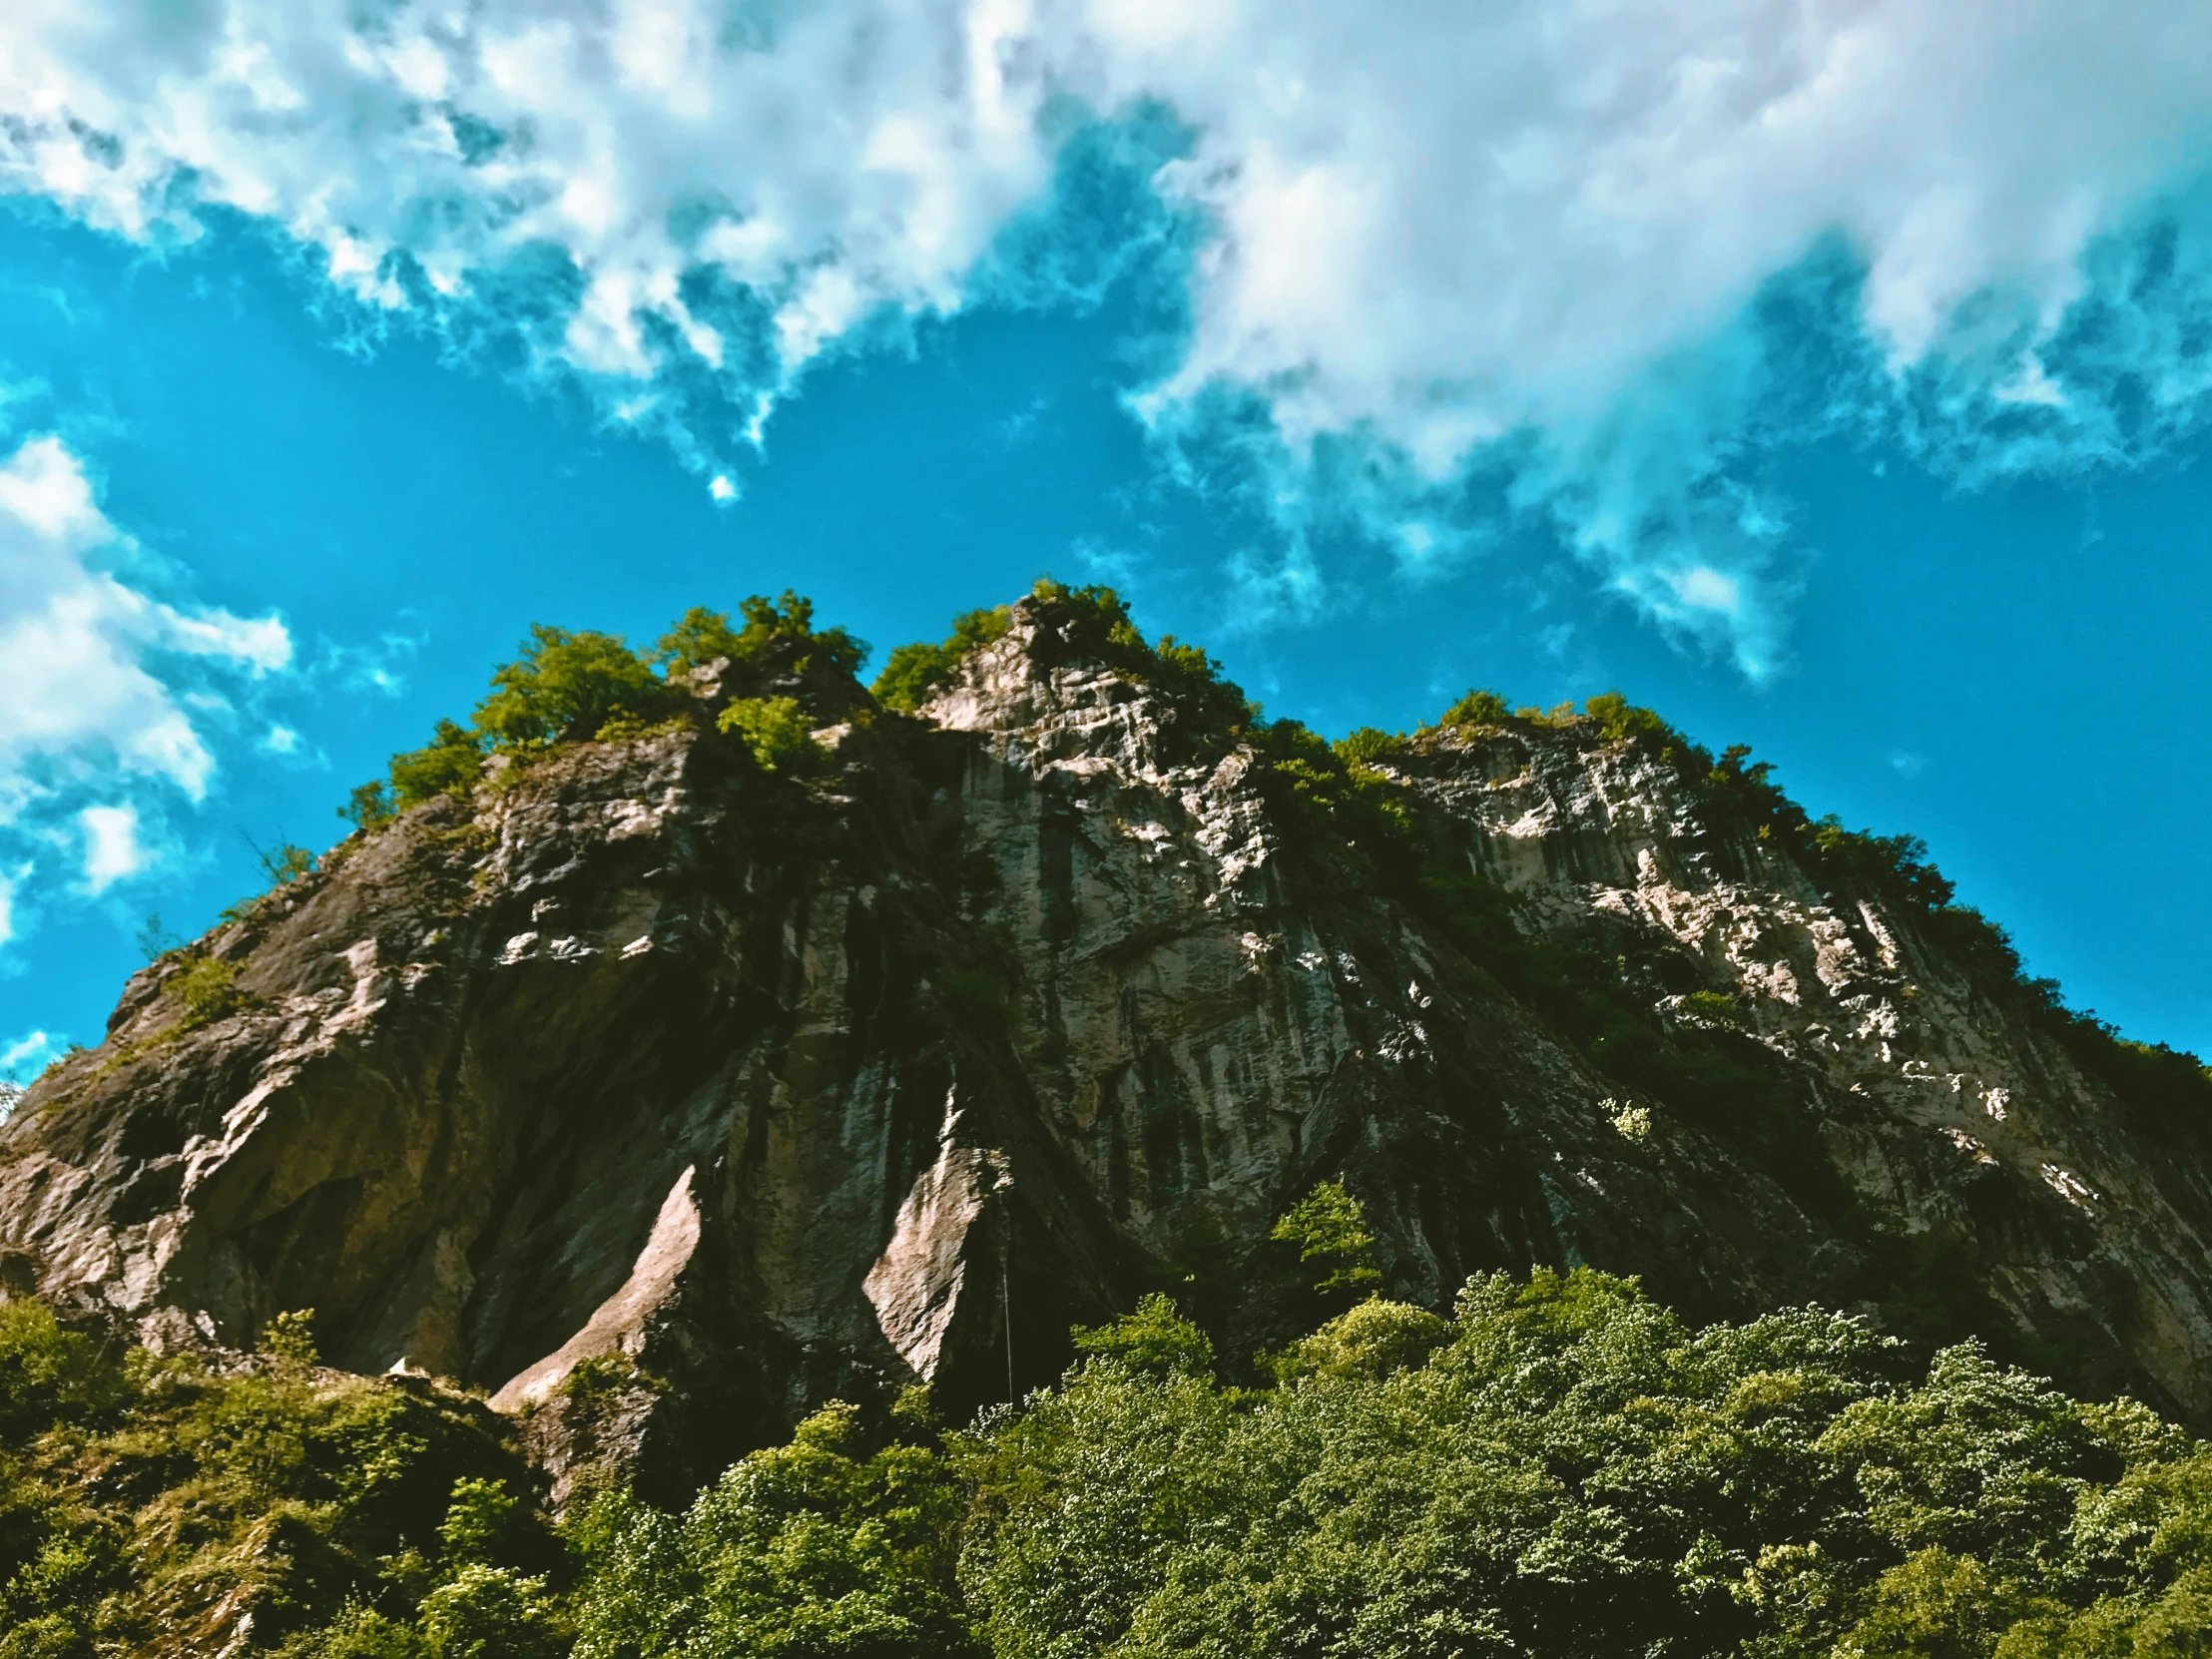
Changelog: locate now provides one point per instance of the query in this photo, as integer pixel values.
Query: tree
(449, 764)
(1328, 1228)
(1153, 1341)
(564, 687)
(775, 729)
(913, 673)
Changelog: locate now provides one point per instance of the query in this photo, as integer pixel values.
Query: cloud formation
(1534, 235)
(91, 706)
(79, 698)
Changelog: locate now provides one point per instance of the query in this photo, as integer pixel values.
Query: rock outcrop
(661, 1095)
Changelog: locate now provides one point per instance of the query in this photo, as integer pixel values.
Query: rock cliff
(660, 1094)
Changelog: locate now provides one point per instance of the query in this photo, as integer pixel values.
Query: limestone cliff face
(650, 1078)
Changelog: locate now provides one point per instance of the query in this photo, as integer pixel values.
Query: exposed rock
(750, 1091)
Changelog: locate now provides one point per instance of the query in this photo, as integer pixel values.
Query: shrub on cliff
(776, 730)
(565, 687)
(449, 764)
(1209, 707)
(913, 673)
(783, 625)
(569, 687)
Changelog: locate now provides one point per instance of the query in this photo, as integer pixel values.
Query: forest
(1560, 1469)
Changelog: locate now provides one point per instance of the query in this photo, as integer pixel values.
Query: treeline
(785, 678)
(1560, 1469)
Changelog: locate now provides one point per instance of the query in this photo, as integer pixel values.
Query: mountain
(775, 1044)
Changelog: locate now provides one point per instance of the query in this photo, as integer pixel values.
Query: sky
(1831, 375)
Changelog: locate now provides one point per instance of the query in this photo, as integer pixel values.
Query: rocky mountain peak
(663, 1088)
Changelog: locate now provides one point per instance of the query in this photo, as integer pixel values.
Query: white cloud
(109, 692)
(79, 697)
(113, 851)
(1429, 228)
(26, 1056)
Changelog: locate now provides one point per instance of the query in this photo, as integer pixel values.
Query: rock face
(651, 1082)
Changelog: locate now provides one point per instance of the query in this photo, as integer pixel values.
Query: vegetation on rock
(913, 673)
(567, 688)
(165, 1505)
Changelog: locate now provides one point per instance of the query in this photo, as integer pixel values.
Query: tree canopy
(1560, 1469)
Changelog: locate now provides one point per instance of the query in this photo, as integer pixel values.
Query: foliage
(155, 942)
(1372, 1340)
(143, 1498)
(775, 729)
(1478, 708)
(1565, 1470)
(1717, 1007)
(1155, 1341)
(369, 805)
(699, 638)
(49, 1374)
(784, 624)
(913, 673)
(207, 988)
(284, 861)
(1367, 745)
(1207, 708)
(449, 764)
(1560, 1470)
(815, 1549)
(1330, 1230)
(564, 687)
(290, 1336)
(1327, 792)
(282, 865)
(489, 1612)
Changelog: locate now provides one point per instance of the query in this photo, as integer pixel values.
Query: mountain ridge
(753, 1042)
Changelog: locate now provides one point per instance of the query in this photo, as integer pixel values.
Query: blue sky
(1822, 399)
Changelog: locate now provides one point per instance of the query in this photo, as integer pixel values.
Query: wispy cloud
(80, 695)
(24, 1057)
(113, 851)
(109, 690)
(1541, 241)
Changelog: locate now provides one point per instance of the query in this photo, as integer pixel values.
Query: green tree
(1330, 1229)
(290, 1336)
(369, 806)
(564, 687)
(700, 637)
(819, 1547)
(913, 673)
(487, 1612)
(1155, 1341)
(775, 729)
(449, 764)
